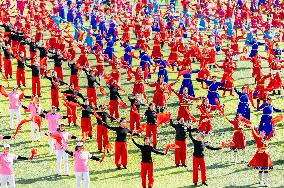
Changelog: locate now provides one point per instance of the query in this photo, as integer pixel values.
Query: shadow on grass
(45, 178)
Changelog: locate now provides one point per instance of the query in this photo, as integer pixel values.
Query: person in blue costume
(70, 14)
(213, 94)
(69, 3)
(110, 46)
(161, 63)
(254, 47)
(156, 26)
(127, 52)
(57, 20)
(156, 6)
(145, 60)
(187, 82)
(243, 107)
(99, 41)
(94, 21)
(61, 11)
(112, 29)
(230, 27)
(79, 3)
(78, 26)
(79, 16)
(249, 38)
(265, 121)
(202, 24)
(89, 38)
(278, 51)
(102, 26)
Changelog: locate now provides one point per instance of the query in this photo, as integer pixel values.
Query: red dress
(239, 137)
(183, 111)
(139, 82)
(261, 159)
(205, 123)
(159, 98)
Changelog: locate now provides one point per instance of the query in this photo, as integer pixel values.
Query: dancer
(6, 166)
(261, 161)
(81, 167)
(121, 150)
(60, 147)
(147, 162)
(198, 157)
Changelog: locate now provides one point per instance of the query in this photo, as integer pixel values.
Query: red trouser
(21, 76)
(72, 111)
(152, 129)
(54, 97)
(1, 62)
(43, 64)
(59, 72)
(86, 125)
(8, 67)
(134, 118)
(92, 95)
(36, 85)
(102, 136)
(121, 154)
(74, 79)
(113, 108)
(147, 168)
(32, 55)
(180, 153)
(198, 162)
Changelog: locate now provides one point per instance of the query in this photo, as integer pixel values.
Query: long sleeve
(211, 147)
(110, 128)
(69, 152)
(261, 107)
(276, 110)
(190, 136)
(156, 151)
(172, 123)
(22, 158)
(95, 158)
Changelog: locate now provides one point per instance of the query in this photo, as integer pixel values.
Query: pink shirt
(81, 161)
(65, 138)
(1, 137)
(52, 120)
(6, 163)
(34, 110)
(14, 100)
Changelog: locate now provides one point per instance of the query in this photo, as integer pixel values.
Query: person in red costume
(184, 100)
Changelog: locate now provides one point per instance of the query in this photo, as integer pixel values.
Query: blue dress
(187, 82)
(213, 91)
(110, 49)
(70, 15)
(254, 48)
(243, 107)
(94, 23)
(265, 122)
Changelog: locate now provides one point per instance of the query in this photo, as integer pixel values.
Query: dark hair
(77, 147)
(122, 119)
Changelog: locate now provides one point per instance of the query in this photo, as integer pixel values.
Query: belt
(243, 102)
(187, 78)
(240, 130)
(213, 91)
(138, 80)
(266, 114)
(262, 150)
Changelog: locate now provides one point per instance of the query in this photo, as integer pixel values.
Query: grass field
(221, 170)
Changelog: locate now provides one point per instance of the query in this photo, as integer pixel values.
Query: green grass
(221, 170)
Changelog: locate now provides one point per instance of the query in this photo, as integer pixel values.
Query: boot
(260, 177)
(265, 175)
